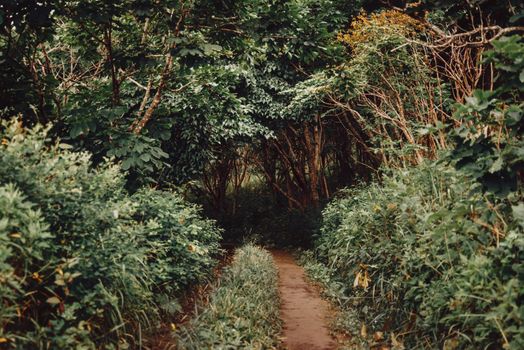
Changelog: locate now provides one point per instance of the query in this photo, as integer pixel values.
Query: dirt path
(303, 311)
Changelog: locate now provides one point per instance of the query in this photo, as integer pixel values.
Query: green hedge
(426, 258)
(243, 312)
(84, 264)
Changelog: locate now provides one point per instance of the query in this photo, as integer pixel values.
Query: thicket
(425, 259)
(84, 264)
(432, 256)
(243, 310)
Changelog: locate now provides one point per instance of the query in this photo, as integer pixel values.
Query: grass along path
(303, 312)
(242, 312)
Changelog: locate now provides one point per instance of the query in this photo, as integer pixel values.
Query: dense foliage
(426, 258)
(116, 114)
(320, 93)
(242, 312)
(433, 256)
(83, 262)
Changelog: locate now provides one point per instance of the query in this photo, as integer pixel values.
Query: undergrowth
(257, 215)
(424, 260)
(433, 255)
(83, 263)
(243, 311)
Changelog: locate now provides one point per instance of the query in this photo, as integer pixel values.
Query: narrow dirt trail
(303, 311)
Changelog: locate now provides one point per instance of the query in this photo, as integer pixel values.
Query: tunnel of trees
(260, 111)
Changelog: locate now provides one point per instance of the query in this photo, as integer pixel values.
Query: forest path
(303, 312)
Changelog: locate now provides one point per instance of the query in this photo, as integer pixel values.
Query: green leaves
(489, 140)
(434, 246)
(139, 153)
(513, 115)
(194, 47)
(497, 165)
(92, 257)
(518, 213)
(480, 100)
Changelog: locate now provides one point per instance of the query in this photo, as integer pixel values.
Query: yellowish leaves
(63, 278)
(173, 327)
(397, 344)
(191, 248)
(365, 28)
(53, 300)
(414, 4)
(16, 235)
(364, 331)
(181, 220)
(362, 279)
(378, 336)
(451, 344)
(3, 340)
(36, 276)
(379, 340)
(123, 344)
(5, 143)
(85, 326)
(392, 206)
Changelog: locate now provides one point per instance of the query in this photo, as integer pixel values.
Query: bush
(243, 312)
(434, 254)
(428, 258)
(84, 264)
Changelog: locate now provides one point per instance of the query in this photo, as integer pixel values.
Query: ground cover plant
(240, 314)
(84, 263)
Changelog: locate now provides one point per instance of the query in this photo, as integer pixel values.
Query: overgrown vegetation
(117, 114)
(425, 258)
(243, 311)
(432, 256)
(84, 264)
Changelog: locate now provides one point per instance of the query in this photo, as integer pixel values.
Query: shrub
(428, 257)
(184, 242)
(243, 312)
(84, 264)
(434, 254)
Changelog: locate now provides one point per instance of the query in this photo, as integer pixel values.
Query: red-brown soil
(304, 313)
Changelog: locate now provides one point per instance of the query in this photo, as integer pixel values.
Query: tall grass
(425, 260)
(243, 312)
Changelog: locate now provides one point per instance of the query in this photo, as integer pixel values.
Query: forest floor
(304, 313)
